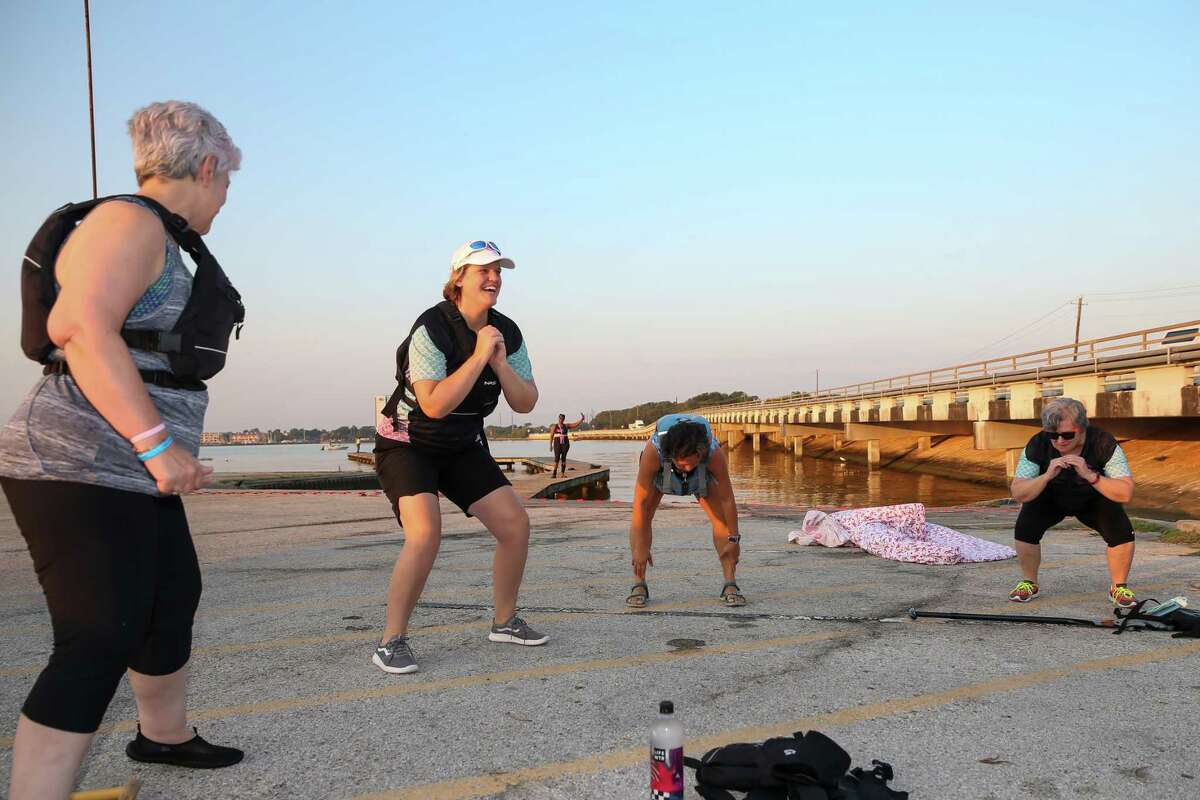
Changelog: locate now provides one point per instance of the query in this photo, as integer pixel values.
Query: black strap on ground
(1076, 621)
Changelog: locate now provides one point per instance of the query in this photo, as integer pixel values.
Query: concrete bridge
(1143, 384)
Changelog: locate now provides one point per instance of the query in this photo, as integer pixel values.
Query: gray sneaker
(518, 632)
(395, 656)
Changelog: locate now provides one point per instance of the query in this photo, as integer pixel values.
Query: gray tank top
(56, 434)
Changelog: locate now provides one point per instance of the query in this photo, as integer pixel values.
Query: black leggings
(560, 451)
(1105, 516)
(122, 584)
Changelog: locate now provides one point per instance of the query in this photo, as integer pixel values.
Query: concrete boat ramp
(293, 603)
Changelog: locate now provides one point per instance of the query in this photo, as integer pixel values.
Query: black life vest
(462, 427)
(195, 347)
(1068, 488)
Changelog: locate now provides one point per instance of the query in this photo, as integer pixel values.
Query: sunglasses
(1066, 435)
(483, 245)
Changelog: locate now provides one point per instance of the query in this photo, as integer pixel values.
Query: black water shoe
(195, 753)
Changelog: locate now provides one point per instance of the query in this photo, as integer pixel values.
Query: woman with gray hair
(1072, 469)
(97, 454)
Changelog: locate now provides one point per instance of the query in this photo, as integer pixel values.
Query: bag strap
(1132, 614)
(458, 328)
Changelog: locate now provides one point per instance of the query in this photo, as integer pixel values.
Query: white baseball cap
(480, 252)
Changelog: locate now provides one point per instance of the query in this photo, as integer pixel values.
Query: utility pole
(1078, 317)
(818, 391)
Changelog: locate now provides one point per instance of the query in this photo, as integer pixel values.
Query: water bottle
(666, 755)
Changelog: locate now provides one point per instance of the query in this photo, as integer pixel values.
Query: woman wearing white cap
(459, 357)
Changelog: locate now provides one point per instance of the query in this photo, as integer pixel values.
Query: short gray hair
(1058, 408)
(171, 138)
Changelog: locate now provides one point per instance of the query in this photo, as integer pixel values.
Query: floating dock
(531, 476)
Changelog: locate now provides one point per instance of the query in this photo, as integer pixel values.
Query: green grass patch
(1150, 526)
(1176, 536)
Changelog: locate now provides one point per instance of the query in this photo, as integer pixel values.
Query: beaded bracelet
(157, 450)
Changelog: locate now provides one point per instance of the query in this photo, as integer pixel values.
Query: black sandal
(734, 596)
(638, 599)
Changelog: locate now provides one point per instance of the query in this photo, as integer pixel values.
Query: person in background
(560, 441)
(1072, 469)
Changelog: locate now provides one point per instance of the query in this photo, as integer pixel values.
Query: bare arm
(575, 425)
(438, 398)
(645, 501)
(114, 254)
(722, 491)
(521, 395)
(1028, 489)
(1119, 490)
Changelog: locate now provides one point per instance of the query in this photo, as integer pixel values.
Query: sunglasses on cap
(482, 245)
(1066, 435)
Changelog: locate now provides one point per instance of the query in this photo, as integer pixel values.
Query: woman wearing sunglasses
(1070, 469)
(451, 370)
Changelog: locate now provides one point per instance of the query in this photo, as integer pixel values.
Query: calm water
(773, 476)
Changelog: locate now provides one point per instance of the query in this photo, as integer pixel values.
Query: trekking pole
(1076, 621)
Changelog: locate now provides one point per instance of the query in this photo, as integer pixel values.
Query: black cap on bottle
(666, 707)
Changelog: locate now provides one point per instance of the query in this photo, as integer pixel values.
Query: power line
(1142, 291)
(1150, 298)
(1047, 315)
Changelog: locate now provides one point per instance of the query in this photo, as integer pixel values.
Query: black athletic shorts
(121, 582)
(561, 448)
(1105, 516)
(463, 477)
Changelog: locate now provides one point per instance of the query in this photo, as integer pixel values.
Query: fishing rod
(1075, 621)
(87, 29)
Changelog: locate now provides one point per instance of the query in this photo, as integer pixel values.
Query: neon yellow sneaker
(1122, 596)
(1023, 592)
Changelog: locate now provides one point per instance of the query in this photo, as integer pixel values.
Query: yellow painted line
(489, 678)
(462, 627)
(495, 783)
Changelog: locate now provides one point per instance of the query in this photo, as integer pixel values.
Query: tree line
(650, 411)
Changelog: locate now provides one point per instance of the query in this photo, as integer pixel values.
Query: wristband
(146, 434)
(157, 450)
(1093, 483)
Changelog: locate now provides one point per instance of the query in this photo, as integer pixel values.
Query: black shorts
(464, 477)
(561, 448)
(122, 584)
(1107, 517)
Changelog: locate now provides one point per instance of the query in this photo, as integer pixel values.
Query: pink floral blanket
(898, 533)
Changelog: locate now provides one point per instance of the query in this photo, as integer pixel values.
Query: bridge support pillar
(798, 446)
(873, 452)
(1011, 457)
(924, 443)
(757, 439)
(735, 438)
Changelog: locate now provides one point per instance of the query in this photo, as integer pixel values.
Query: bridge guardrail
(1163, 341)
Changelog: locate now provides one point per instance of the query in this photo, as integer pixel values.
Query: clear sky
(698, 196)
